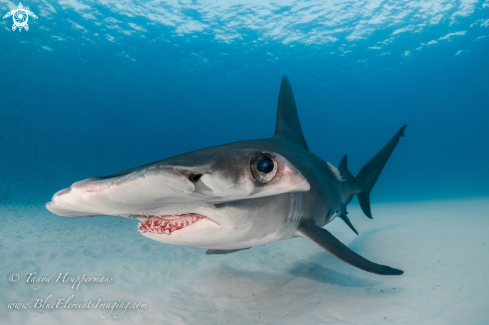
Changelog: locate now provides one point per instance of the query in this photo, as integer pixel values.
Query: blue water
(94, 88)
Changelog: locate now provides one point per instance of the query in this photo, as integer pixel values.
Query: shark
(239, 195)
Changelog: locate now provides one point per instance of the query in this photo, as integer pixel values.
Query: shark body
(239, 195)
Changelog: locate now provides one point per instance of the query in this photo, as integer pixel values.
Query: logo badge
(20, 17)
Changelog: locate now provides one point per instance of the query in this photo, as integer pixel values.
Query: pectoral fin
(223, 251)
(329, 243)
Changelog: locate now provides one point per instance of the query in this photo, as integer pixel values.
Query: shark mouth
(166, 225)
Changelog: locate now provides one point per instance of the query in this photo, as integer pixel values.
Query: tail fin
(369, 174)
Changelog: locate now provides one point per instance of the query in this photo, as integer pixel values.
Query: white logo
(20, 17)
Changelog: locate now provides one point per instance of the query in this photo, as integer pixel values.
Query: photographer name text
(64, 277)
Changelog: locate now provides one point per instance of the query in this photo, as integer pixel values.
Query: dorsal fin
(343, 167)
(344, 162)
(288, 125)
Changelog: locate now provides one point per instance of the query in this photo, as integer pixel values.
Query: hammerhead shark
(238, 195)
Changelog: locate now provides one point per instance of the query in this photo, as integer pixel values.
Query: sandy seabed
(442, 246)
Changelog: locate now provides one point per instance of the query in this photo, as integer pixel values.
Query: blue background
(92, 101)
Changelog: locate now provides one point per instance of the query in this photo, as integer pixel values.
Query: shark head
(208, 198)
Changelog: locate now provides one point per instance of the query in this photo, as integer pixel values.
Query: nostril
(195, 177)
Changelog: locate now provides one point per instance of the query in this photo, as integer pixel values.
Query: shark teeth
(166, 224)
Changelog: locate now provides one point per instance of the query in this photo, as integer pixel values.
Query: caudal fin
(369, 174)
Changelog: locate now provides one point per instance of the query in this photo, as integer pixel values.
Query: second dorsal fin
(288, 125)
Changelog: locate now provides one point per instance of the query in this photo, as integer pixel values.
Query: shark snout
(174, 186)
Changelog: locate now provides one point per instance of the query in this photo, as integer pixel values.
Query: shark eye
(263, 167)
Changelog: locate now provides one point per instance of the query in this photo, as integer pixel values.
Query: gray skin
(241, 209)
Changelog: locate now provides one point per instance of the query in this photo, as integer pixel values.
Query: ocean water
(96, 87)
